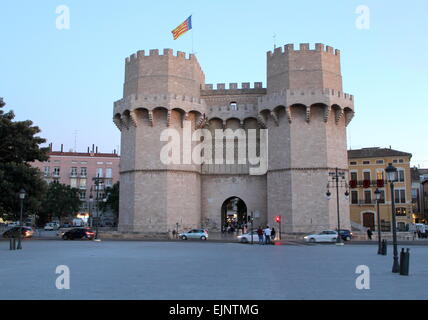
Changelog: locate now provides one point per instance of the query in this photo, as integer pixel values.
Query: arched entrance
(233, 214)
(369, 220)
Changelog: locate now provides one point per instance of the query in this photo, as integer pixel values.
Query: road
(205, 270)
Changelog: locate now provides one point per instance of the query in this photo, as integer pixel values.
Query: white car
(246, 237)
(323, 236)
(194, 234)
(51, 226)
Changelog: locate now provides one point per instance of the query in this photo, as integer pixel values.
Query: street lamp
(335, 176)
(377, 195)
(391, 173)
(22, 195)
(91, 200)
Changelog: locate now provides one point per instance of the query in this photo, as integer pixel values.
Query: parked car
(66, 225)
(323, 236)
(246, 237)
(51, 226)
(345, 234)
(13, 224)
(79, 233)
(27, 232)
(194, 234)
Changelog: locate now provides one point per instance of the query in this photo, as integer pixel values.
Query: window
(74, 171)
(108, 173)
(109, 162)
(47, 171)
(354, 197)
(56, 171)
(395, 161)
(382, 196)
(367, 196)
(400, 211)
(379, 175)
(400, 175)
(83, 171)
(100, 162)
(109, 183)
(73, 182)
(82, 195)
(354, 176)
(82, 183)
(99, 172)
(353, 163)
(366, 162)
(233, 106)
(379, 161)
(366, 175)
(401, 161)
(84, 162)
(400, 196)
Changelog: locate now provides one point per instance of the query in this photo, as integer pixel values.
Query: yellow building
(366, 174)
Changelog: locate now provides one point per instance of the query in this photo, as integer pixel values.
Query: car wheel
(64, 237)
(183, 238)
(203, 238)
(348, 238)
(312, 240)
(333, 239)
(244, 240)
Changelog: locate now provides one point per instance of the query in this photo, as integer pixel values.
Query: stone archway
(233, 213)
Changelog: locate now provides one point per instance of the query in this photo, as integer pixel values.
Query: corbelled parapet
(306, 68)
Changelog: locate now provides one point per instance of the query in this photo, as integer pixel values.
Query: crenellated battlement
(233, 86)
(141, 54)
(303, 47)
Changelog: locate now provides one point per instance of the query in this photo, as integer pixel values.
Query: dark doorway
(368, 220)
(233, 214)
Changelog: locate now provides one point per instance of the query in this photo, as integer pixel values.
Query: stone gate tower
(303, 108)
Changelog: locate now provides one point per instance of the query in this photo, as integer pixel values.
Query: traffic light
(278, 219)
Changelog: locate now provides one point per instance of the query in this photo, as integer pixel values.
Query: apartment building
(366, 174)
(80, 170)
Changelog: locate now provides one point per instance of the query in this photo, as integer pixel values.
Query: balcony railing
(367, 202)
(366, 183)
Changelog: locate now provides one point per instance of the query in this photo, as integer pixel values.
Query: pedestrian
(260, 234)
(273, 233)
(268, 233)
(369, 233)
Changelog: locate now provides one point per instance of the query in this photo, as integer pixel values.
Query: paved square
(205, 270)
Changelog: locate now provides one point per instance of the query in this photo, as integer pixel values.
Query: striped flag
(182, 28)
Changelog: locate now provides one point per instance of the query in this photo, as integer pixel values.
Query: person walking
(260, 234)
(369, 233)
(273, 233)
(268, 233)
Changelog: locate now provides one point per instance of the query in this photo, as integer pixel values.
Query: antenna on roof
(274, 41)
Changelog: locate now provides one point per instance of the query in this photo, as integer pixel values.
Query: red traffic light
(278, 219)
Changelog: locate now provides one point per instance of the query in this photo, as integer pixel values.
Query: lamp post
(377, 194)
(391, 173)
(91, 200)
(22, 195)
(336, 175)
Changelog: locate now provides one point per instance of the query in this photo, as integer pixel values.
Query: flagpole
(193, 52)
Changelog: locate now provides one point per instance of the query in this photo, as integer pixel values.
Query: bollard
(384, 247)
(404, 262)
(11, 244)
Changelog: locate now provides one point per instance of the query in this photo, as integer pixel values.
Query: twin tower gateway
(298, 122)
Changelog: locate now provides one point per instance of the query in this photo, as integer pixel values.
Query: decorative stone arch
(117, 119)
(141, 116)
(337, 111)
(160, 115)
(349, 115)
(324, 107)
(241, 211)
(299, 109)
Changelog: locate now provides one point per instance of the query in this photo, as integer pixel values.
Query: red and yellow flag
(182, 28)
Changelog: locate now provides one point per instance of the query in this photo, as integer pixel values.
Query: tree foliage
(112, 202)
(60, 201)
(19, 146)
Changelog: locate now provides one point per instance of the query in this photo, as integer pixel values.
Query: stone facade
(303, 109)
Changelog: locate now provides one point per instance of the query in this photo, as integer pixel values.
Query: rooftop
(376, 152)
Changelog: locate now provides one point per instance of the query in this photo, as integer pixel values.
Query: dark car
(345, 234)
(79, 233)
(27, 232)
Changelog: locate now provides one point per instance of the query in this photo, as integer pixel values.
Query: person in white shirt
(267, 233)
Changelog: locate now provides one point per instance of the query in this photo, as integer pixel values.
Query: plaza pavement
(205, 270)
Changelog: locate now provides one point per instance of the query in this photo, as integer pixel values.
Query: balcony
(366, 183)
(368, 202)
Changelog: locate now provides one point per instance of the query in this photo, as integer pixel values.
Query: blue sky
(66, 80)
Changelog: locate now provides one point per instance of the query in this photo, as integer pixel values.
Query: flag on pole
(182, 28)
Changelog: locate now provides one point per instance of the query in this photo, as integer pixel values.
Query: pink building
(79, 170)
